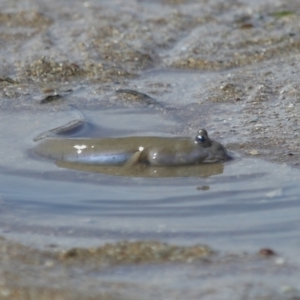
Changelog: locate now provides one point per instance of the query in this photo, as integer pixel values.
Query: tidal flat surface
(67, 214)
(165, 67)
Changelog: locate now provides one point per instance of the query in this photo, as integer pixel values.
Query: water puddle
(242, 89)
(243, 204)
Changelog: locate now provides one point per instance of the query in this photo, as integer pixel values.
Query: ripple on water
(247, 203)
(244, 204)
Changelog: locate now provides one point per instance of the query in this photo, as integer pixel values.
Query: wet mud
(249, 51)
(228, 66)
(32, 274)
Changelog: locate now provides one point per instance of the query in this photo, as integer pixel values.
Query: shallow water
(240, 206)
(244, 204)
(247, 207)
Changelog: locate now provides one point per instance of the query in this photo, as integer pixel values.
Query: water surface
(243, 204)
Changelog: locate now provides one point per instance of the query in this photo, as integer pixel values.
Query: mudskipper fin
(133, 160)
(64, 129)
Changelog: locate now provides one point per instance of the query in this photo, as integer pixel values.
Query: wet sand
(96, 273)
(82, 53)
(228, 66)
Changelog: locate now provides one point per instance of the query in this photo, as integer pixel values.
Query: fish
(132, 150)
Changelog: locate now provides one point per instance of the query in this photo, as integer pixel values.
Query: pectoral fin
(133, 159)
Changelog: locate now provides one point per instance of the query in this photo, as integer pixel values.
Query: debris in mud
(7, 79)
(137, 253)
(247, 26)
(53, 95)
(51, 98)
(138, 96)
(283, 13)
(48, 69)
(266, 252)
(203, 188)
(253, 152)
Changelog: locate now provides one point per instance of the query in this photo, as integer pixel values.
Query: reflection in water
(101, 155)
(243, 204)
(143, 170)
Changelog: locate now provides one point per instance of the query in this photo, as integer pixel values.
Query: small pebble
(266, 252)
(254, 152)
(49, 263)
(203, 188)
(246, 26)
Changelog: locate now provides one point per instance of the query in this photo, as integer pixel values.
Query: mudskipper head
(202, 138)
(215, 150)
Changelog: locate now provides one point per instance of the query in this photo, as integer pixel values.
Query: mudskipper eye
(200, 138)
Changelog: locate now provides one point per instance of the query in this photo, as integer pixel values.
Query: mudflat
(168, 67)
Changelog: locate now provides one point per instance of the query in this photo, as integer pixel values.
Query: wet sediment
(56, 54)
